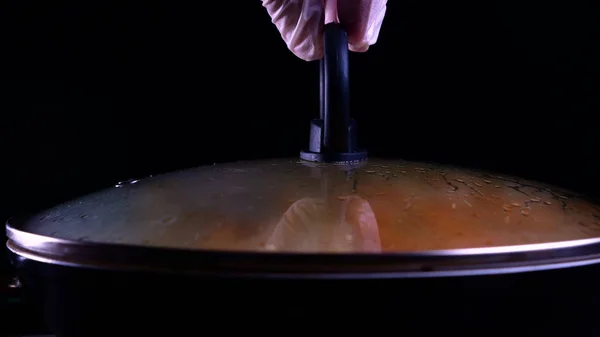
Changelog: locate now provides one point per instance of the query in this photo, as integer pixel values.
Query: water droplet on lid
(168, 219)
(547, 202)
(535, 199)
(524, 212)
(126, 182)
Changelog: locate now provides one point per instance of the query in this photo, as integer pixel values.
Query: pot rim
(410, 264)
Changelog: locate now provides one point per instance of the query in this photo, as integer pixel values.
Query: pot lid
(383, 206)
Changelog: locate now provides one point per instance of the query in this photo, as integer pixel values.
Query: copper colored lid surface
(289, 206)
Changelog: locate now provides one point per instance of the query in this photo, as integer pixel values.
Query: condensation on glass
(290, 206)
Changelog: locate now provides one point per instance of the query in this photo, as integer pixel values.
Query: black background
(94, 92)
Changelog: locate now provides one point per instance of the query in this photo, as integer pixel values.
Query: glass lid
(292, 206)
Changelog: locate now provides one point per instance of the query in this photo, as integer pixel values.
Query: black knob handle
(333, 136)
(336, 115)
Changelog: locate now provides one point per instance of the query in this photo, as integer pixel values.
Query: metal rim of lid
(423, 264)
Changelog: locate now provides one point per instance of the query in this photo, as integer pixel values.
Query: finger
(300, 23)
(362, 218)
(362, 20)
(298, 228)
(331, 12)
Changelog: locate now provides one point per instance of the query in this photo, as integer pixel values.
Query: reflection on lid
(312, 225)
(282, 205)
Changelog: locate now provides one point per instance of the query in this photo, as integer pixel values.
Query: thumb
(361, 217)
(331, 11)
(362, 20)
(300, 24)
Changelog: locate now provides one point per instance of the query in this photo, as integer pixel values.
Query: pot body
(93, 302)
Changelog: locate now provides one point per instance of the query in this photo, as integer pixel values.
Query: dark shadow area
(92, 93)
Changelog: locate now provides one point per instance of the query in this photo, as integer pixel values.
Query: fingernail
(358, 49)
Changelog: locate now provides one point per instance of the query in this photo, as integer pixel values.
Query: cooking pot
(287, 246)
(282, 246)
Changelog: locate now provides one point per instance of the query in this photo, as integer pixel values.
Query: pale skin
(300, 23)
(312, 224)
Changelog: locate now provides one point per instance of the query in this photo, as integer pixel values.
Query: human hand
(301, 22)
(312, 225)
